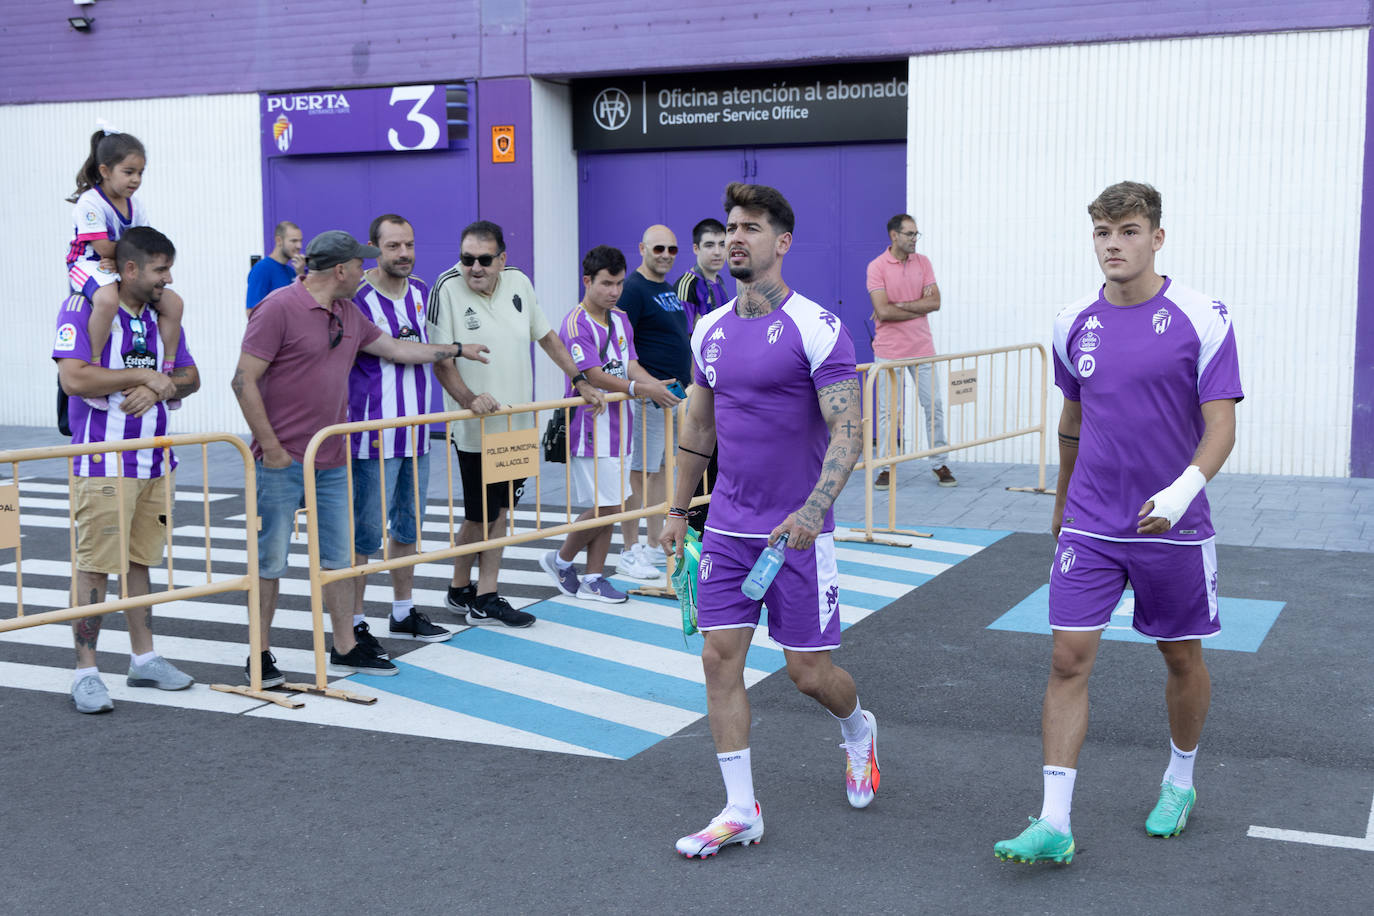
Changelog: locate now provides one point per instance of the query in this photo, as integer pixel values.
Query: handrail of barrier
(1010, 408)
(247, 583)
(320, 577)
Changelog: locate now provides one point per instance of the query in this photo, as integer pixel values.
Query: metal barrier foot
(1041, 490)
(654, 591)
(866, 538)
(267, 696)
(332, 692)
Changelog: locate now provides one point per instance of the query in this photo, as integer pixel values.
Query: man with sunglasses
(902, 285)
(484, 301)
(127, 372)
(291, 382)
(660, 328)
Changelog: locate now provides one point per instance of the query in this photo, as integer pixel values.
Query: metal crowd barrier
(516, 453)
(12, 524)
(989, 395)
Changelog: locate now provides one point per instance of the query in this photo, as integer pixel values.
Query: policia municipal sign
(845, 102)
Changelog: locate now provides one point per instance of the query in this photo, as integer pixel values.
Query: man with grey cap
(291, 382)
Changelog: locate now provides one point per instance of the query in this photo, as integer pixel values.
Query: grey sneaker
(565, 579)
(90, 696)
(598, 588)
(159, 673)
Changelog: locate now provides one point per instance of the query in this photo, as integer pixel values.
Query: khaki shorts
(96, 510)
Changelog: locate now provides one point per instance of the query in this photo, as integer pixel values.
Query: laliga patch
(66, 338)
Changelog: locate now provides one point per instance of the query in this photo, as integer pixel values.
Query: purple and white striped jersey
(96, 219)
(608, 347)
(765, 373)
(1141, 374)
(133, 344)
(380, 389)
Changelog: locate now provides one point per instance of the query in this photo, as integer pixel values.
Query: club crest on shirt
(1086, 365)
(1089, 342)
(66, 338)
(1093, 323)
(1161, 320)
(774, 331)
(470, 320)
(515, 301)
(713, 353)
(704, 567)
(1066, 560)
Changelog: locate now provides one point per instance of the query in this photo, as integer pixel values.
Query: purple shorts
(803, 601)
(1175, 586)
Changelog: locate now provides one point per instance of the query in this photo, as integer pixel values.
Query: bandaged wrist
(1172, 501)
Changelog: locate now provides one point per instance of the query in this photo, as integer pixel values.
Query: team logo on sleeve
(576, 352)
(66, 338)
(1086, 365)
(1089, 342)
(774, 331)
(1066, 560)
(1161, 320)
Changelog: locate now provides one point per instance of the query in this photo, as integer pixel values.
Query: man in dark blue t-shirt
(281, 267)
(664, 349)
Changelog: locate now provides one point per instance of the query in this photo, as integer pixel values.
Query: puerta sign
(846, 102)
(395, 118)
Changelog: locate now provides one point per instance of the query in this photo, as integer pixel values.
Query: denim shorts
(401, 477)
(281, 491)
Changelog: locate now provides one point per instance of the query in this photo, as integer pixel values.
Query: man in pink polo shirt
(901, 284)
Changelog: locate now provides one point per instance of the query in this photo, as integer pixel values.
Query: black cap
(335, 247)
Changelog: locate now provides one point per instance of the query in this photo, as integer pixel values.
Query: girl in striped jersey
(105, 209)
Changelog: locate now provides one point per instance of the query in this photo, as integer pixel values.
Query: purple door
(842, 195)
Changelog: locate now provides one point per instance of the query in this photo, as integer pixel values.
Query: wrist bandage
(1172, 501)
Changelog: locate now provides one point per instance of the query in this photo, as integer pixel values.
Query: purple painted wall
(203, 48)
(505, 190)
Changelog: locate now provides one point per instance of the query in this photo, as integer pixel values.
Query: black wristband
(460, 350)
(579, 377)
(683, 448)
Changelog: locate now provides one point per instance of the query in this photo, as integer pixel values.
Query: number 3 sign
(395, 119)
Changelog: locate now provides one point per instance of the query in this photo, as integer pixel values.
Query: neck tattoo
(758, 299)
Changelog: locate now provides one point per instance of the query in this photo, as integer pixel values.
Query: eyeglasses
(335, 335)
(659, 249)
(910, 235)
(483, 259)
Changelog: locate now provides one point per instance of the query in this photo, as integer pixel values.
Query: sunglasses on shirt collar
(336, 329)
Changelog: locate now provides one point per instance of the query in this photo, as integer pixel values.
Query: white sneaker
(730, 826)
(632, 565)
(653, 554)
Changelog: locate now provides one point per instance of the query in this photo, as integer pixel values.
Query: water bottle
(765, 568)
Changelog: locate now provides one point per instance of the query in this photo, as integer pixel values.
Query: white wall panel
(202, 188)
(557, 262)
(1256, 143)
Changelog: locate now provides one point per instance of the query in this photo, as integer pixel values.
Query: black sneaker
(271, 675)
(461, 598)
(369, 642)
(418, 626)
(360, 661)
(492, 609)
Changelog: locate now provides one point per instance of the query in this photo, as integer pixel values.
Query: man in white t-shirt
(482, 300)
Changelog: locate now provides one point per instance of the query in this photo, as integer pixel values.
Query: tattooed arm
(840, 408)
(1070, 423)
(245, 385)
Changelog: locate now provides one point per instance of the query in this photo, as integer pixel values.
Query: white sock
(1180, 771)
(79, 673)
(739, 779)
(143, 659)
(1058, 796)
(562, 563)
(853, 727)
(591, 577)
(400, 610)
(358, 618)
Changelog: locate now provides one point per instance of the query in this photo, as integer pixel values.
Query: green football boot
(1170, 814)
(1037, 843)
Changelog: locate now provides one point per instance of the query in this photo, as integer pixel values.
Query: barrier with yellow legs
(11, 529)
(990, 396)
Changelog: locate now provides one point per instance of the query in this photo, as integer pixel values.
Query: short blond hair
(1126, 198)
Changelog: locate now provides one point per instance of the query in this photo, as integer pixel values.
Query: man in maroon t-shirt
(291, 382)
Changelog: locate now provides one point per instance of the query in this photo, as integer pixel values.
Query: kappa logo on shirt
(774, 331)
(829, 320)
(1086, 365)
(1161, 320)
(1093, 323)
(717, 334)
(1220, 308)
(1066, 560)
(66, 338)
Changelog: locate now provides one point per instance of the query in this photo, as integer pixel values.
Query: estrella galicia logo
(611, 108)
(1086, 365)
(1066, 560)
(1089, 342)
(281, 132)
(713, 353)
(1161, 320)
(704, 567)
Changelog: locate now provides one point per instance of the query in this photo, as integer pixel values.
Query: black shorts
(503, 495)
